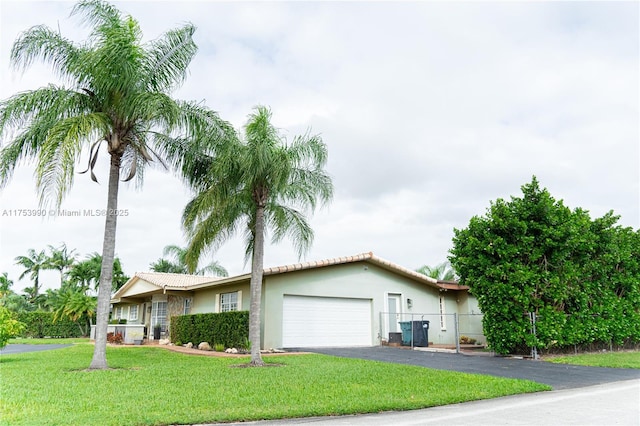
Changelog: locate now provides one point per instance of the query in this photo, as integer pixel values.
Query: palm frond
(291, 223)
(47, 103)
(40, 42)
(168, 58)
(97, 13)
(60, 151)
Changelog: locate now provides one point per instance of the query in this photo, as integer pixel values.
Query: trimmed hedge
(41, 324)
(230, 329)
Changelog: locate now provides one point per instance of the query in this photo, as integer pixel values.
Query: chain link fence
(448, 331)
(564, 345)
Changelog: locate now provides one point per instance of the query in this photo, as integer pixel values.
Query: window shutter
(216, 306)
(239, 300)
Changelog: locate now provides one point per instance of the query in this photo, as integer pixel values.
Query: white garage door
(325, 321)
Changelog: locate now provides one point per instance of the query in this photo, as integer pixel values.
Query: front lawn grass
(153, 386)
(601, 359)
(48, 341)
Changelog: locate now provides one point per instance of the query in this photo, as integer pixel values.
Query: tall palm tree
(179, 265)
(33, 263)
(61, 259)
(257, 184)
(117, 93)
(443, 272)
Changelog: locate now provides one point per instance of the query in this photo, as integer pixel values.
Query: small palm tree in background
(86, 274)
(60, 259)
(116, 93)
(178, 265)
(5, 284)
(257, 184)
(442, 272)
(74, 305)
(10, 299)
(33, 263)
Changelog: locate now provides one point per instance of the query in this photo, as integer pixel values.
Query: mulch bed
(195, 351)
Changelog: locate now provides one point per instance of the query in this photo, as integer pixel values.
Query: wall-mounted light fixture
(409, 303)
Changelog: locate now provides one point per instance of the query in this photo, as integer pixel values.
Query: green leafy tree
(9, 326)
(33, 263)
(179, 265)
(117, 93)
(442, 272)
(534, 255)
(259, 183)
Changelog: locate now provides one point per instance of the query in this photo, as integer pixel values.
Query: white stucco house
(346, 301)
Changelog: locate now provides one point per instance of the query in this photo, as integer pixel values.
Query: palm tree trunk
(99, 360)
(256, 288)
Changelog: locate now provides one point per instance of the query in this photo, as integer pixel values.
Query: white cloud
(430, 110)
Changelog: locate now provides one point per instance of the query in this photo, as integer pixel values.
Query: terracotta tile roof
(366, 257)
(452, 285)
(166, 281)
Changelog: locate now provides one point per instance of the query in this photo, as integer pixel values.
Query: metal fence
(432, 329)
(595, 343)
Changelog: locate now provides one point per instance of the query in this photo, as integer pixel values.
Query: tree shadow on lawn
(5, 359)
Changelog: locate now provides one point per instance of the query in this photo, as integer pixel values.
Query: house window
(133, 313)
(443, 320)
(159, 315)
(229, 302)
(187, 306)
(118, 314)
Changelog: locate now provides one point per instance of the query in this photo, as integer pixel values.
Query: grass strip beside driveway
(153, 386)
(48, 341)
(630, 359)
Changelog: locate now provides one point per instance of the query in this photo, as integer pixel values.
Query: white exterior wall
(356, 280)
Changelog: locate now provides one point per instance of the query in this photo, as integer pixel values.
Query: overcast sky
(430, 110)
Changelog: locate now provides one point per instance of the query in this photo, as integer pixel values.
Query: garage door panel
(326, 321)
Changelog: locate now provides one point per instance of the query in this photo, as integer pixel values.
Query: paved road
(559, 376)
(20, 348)
(615, 403)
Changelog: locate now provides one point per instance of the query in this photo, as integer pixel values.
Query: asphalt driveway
(559, 376)
(20, 348)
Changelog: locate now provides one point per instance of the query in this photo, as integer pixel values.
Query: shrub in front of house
(115, 338)
(230, 329)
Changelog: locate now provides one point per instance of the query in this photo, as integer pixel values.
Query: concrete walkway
(615, 403)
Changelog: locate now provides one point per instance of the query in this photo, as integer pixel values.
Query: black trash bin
(420, 333)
